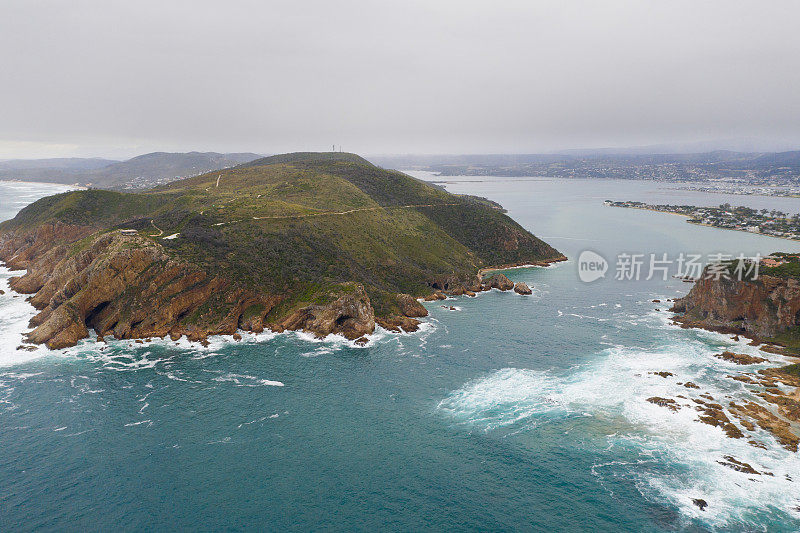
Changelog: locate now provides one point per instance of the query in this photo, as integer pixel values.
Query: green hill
(301, 226)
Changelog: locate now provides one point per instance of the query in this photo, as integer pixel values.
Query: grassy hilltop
(297, 225)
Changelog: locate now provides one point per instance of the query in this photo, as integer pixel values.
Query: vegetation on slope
(299, 224)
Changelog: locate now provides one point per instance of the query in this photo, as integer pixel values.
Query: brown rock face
(128, 287)
(763, 307)
(350, 315)
(410, 307)
(125, 286)
(398, 324)
(522, 288)
(499, 281)
(435, 296)
(740, 358)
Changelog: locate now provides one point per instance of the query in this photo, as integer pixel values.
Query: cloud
(412, 76)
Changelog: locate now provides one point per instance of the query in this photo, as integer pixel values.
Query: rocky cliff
(126, 286)
(326, 243)
(763, 307)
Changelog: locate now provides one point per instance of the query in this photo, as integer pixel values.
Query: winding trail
(160, 231)
(339, 213)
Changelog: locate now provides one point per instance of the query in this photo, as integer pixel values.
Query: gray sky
(117, 78)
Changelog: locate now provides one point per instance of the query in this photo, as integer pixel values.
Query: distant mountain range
(140, 172)
(157, 168)
(756, 167)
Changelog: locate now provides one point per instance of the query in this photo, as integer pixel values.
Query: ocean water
(509, 413)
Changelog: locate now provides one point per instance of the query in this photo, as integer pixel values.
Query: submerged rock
(662, 373)
(700, 503)
(739, 466)
(669, 403)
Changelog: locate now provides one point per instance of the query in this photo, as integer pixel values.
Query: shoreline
(709, 225)
(51, 183)
(540, 264)
(185, 342)
(763, 410)
(382, 324)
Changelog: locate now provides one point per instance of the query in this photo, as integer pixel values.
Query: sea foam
(615, 385)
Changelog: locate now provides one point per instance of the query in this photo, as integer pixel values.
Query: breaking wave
(612, 391)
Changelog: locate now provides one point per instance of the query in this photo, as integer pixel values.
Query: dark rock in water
(522, 288)
(740, 358)
(702, 504)
(2, 292)
(669, 403)
(713, 415)
(739, 466)
(499, 281)
(691, 385)
(409, 306)
(27, 348)
(656, 301)
(362, 341)
(663, 374)
(237, 337)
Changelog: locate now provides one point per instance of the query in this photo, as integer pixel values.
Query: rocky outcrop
(740, 358)
(522, 288)
(410, 307)
(127, 286)
(350, 314)
(398, 323)
(763, 307)
(500, 282)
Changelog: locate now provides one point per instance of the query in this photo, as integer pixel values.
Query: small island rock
(522, 288)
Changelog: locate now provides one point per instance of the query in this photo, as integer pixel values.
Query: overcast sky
(117, 78)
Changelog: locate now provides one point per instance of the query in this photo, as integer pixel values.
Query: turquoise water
(510, 413)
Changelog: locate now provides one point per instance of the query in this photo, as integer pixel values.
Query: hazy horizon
(117, 79)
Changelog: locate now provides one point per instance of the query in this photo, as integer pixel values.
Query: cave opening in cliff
(93, 318)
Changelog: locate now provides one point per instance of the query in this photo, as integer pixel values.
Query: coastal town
(764, 221)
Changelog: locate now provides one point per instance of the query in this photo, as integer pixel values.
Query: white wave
(148, 423)
(614, 387)
(15, 313)
(244, 380)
